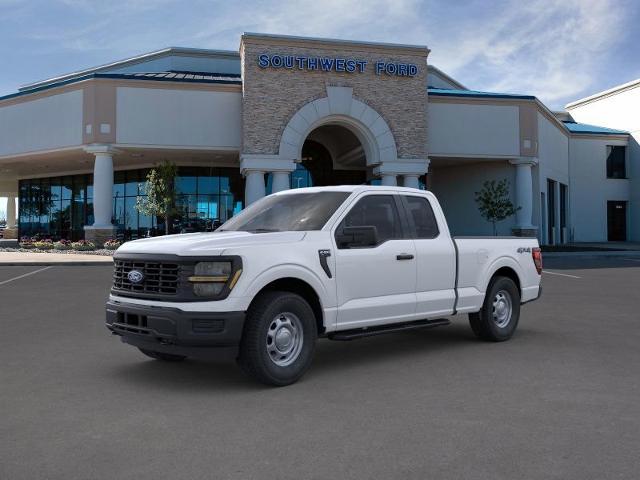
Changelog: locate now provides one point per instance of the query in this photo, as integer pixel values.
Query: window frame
(608, 150)
(402, 219)
(409, 217)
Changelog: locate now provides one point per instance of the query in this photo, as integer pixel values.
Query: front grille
(129, 322)
(160, 278)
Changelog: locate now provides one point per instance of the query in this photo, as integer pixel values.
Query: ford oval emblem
(135, 276)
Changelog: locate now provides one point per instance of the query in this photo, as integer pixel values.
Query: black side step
(396, 327)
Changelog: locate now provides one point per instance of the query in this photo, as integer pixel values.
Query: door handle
(404, 256)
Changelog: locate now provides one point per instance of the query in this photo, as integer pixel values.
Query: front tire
(279, 338)
(498, 319)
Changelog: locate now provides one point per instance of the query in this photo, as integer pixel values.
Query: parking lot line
(25, 275)
(561, 274)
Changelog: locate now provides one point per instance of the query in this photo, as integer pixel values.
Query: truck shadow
(332, 358)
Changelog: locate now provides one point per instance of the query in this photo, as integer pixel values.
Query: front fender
(299, 272)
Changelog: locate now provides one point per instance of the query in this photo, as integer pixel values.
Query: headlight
(210, 278)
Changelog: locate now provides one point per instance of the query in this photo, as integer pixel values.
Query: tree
(494, 203)
(160, 199)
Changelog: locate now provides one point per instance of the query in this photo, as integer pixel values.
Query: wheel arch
(300, 287)
(505, 267)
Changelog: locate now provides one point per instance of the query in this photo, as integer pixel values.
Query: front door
(376, 283)
(617, 221)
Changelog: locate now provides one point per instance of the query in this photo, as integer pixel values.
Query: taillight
(536, 253)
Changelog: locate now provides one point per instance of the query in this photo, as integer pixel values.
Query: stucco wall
(590, 189)
(621, 111)
(45, 123)
(455, 187)
(463, 129)
(165, 117)
(271, 96)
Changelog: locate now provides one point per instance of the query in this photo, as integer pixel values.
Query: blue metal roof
(444, 92)
(173, 76)
(575, 127)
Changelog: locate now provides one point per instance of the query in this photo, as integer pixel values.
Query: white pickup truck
(336, 262)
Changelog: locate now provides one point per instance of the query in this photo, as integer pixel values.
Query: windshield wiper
(263, 230)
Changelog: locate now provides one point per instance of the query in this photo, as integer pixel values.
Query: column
(389, 179)
(254, 186)
(280, 181)
(411, 181)
(11, 212)
(524, 196)
(254, 166)
(11, 232)
(409, 169)
(102, 228)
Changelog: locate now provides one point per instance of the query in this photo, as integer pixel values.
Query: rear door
(376, 284)
(435, 258)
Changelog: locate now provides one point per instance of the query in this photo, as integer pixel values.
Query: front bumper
(172, 330)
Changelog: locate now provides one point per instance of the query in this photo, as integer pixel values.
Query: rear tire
(165, 357)
(279, 338)
(498, 319)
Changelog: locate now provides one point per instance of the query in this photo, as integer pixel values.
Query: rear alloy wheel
(498, 318)
(166, 357)
(279, 338)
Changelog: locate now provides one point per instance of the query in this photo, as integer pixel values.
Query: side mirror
(357, 237)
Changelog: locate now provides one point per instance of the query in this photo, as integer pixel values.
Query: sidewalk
(32, 258)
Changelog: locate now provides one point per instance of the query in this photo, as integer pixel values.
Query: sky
(558, 50)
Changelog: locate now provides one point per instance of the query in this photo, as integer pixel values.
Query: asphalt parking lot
(561, 400)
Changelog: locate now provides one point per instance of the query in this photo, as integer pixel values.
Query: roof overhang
(605, 93)
(145, 57)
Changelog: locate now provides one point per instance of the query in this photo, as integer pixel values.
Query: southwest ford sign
(331, 64)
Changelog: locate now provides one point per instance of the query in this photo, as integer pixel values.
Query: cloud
(555, 49)
(551, 49)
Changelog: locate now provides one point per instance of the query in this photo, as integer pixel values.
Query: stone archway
(340, 108)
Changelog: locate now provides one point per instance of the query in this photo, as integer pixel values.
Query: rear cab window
(421, 215)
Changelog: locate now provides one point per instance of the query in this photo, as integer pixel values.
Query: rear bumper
(539, 294)
(172, 330)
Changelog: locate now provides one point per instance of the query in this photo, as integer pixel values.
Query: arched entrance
(333, 155)
(338, 140)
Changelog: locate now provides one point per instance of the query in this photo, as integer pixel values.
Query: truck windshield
(280, 213)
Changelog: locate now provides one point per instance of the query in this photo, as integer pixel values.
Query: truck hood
(211, 243)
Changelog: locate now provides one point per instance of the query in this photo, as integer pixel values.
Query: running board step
(396, 327)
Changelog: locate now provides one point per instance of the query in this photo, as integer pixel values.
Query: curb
(55, 264)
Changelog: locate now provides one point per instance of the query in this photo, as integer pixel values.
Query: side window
(377, 211)
(423, 217)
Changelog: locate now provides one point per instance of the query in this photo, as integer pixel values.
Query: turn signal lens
(536, 253)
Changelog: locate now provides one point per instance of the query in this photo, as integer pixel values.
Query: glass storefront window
(60, 207)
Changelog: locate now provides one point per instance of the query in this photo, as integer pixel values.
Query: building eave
(447, 77)
(292, 39)
(605, 93)
(131, 61)
(115, 76)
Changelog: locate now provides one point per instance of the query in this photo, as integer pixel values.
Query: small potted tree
(494, 203)
(160, 199)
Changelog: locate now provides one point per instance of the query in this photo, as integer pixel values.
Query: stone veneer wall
(271, 96)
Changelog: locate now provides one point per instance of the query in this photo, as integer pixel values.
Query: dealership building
(288, 112)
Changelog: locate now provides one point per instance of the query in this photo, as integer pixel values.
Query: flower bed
(112, 244)
(83, 245)
(62, 245)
